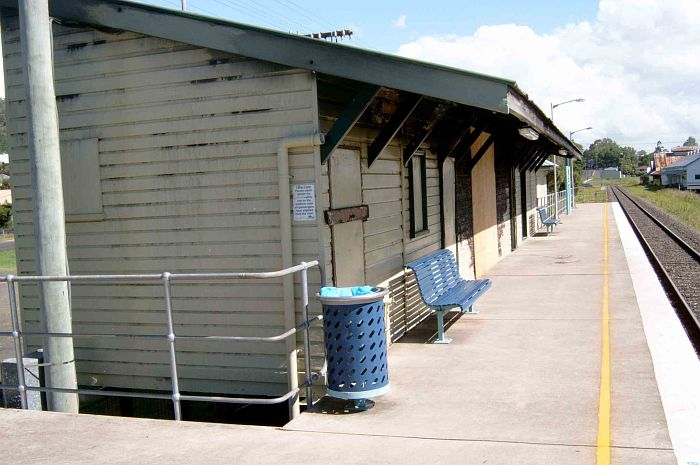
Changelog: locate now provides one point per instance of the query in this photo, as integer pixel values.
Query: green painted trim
(424, 191)
(439, 112)
(415, 232)
(347, 119)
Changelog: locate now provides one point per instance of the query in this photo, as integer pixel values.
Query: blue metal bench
(548, 221)
(442, 288)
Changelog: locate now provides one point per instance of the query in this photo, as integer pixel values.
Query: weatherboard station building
(175, 132)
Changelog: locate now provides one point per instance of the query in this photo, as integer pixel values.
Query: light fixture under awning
(529, 133)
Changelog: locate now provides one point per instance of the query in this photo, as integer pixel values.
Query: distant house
(684, 174)
(662, 160)
(612, 173)
(685, 150)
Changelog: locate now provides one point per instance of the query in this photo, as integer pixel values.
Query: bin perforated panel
(356, 349)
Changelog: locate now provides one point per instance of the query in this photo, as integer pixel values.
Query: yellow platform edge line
(603, 449)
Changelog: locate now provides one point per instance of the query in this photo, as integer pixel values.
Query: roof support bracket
(408, 104)
(540, 161)
(532, 156)
(463, 152)
(522, 156)
(536, 157)
(480, 153)
(347, 119)
(424, 132)
(461, 133)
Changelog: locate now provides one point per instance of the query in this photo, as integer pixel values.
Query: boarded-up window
(82, 188)
(418, 193)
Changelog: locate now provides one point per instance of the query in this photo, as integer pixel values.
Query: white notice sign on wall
(304, 202)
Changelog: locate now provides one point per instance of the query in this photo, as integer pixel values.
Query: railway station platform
(575, 358)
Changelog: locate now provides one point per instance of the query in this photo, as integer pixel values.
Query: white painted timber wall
(387, 241)
(693, 175)
(187, 141)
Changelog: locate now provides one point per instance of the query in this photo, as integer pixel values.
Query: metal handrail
(166, 278)
(548, 202)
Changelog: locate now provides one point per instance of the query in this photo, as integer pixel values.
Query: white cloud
(637, 65)
(400, 22)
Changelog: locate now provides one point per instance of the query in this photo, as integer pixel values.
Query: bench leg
(470, 310)
(441, 339)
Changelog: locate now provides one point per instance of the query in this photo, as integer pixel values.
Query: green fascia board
(296, 51)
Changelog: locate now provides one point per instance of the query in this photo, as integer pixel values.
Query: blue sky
(374, 21)
(633, 61)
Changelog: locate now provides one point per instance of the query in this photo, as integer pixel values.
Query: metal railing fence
(548, 202)
(167, 278)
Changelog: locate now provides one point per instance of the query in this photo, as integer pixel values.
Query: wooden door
(347, 239)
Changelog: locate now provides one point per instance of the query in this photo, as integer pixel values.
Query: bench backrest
(544, 216)
(436, 273)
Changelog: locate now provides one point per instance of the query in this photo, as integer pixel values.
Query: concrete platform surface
(527, 369)
(520, 384)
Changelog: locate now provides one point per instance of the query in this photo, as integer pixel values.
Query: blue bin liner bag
(346, 291)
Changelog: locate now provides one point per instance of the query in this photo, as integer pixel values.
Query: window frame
(417, 230)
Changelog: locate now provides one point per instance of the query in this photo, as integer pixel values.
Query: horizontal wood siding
(187, 143)
(387, 241)
(415, 310)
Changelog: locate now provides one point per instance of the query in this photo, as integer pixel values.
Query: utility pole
(331, 35)
(184, 5)
(47, 194)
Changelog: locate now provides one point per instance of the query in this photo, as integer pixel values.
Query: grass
(683, 205)
(597, 192)
(8, 262)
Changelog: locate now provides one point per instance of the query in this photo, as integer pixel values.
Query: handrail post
(307, 344)
(21, 385)
(171, 344)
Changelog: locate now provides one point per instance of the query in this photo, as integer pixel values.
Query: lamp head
(529, 133)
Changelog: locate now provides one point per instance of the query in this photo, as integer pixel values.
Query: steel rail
(647, 246)
(687, 247)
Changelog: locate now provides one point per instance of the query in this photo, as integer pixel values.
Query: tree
(691, 142)
(5, 216)
(606, 153)
(644, 158)
(3, 127)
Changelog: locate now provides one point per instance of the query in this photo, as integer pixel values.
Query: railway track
(673, 249)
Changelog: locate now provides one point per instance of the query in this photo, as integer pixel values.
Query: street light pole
(552, 106)
(570, 174)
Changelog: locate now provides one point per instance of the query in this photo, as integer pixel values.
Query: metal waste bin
(355, 339)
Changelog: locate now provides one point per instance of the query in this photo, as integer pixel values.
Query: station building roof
(493, 94)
